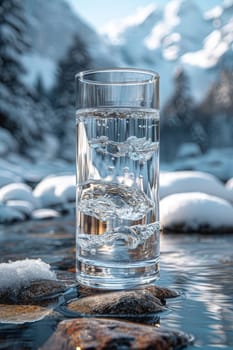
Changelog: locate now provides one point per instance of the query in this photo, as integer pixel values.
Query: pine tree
(216, 109)
(12, 46)
(180, 124)
(218, 100)
(20, 110)
(63, 94)
(179, 108)
(13, 43)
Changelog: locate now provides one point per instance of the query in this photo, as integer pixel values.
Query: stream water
(199, 266)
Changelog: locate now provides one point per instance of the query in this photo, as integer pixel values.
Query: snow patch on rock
(55, 190)
(19, 274)
(191, 181)
(18, 191)
(193, 210)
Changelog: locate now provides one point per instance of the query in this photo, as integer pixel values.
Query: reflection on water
(199, 266)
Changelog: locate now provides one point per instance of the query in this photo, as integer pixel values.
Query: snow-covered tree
(179, 108)
(27, 118)
(13, 44)
(216, 109)
(218, 100)
(180, 122)
(63, 94)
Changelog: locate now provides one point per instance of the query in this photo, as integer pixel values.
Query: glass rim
(152, 76)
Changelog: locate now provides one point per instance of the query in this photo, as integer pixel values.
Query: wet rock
(159, 292)
(39, 292)
(102, 334)
(22, 313)
(162, 293)
(132, 302)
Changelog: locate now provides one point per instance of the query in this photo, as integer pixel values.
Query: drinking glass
(117, 166)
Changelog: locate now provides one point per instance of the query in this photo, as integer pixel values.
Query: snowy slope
(52, 27)
(178, 34)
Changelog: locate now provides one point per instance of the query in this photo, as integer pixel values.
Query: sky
(98, 13)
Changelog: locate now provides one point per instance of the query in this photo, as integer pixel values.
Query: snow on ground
(45, 214)
(18, 201)
(194, 210)
(191, 181)
(55, 190)
(18, 168)
(217, 162)
(45, 189)
(24, 207)
(29, 190)
(17, 191)
(19, 274)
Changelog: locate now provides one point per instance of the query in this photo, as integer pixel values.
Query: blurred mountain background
(43, 44)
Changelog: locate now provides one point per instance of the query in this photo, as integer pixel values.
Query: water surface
(199, 266)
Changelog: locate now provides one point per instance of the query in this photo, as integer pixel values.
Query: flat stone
(162, 293)
(132, 302)
(159, 292)
(102, 334)
(22, 313)
(39, 292)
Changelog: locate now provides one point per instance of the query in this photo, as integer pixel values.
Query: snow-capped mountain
(179, 34)
(52, 27)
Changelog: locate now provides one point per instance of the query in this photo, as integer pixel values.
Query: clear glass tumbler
(117, 206)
